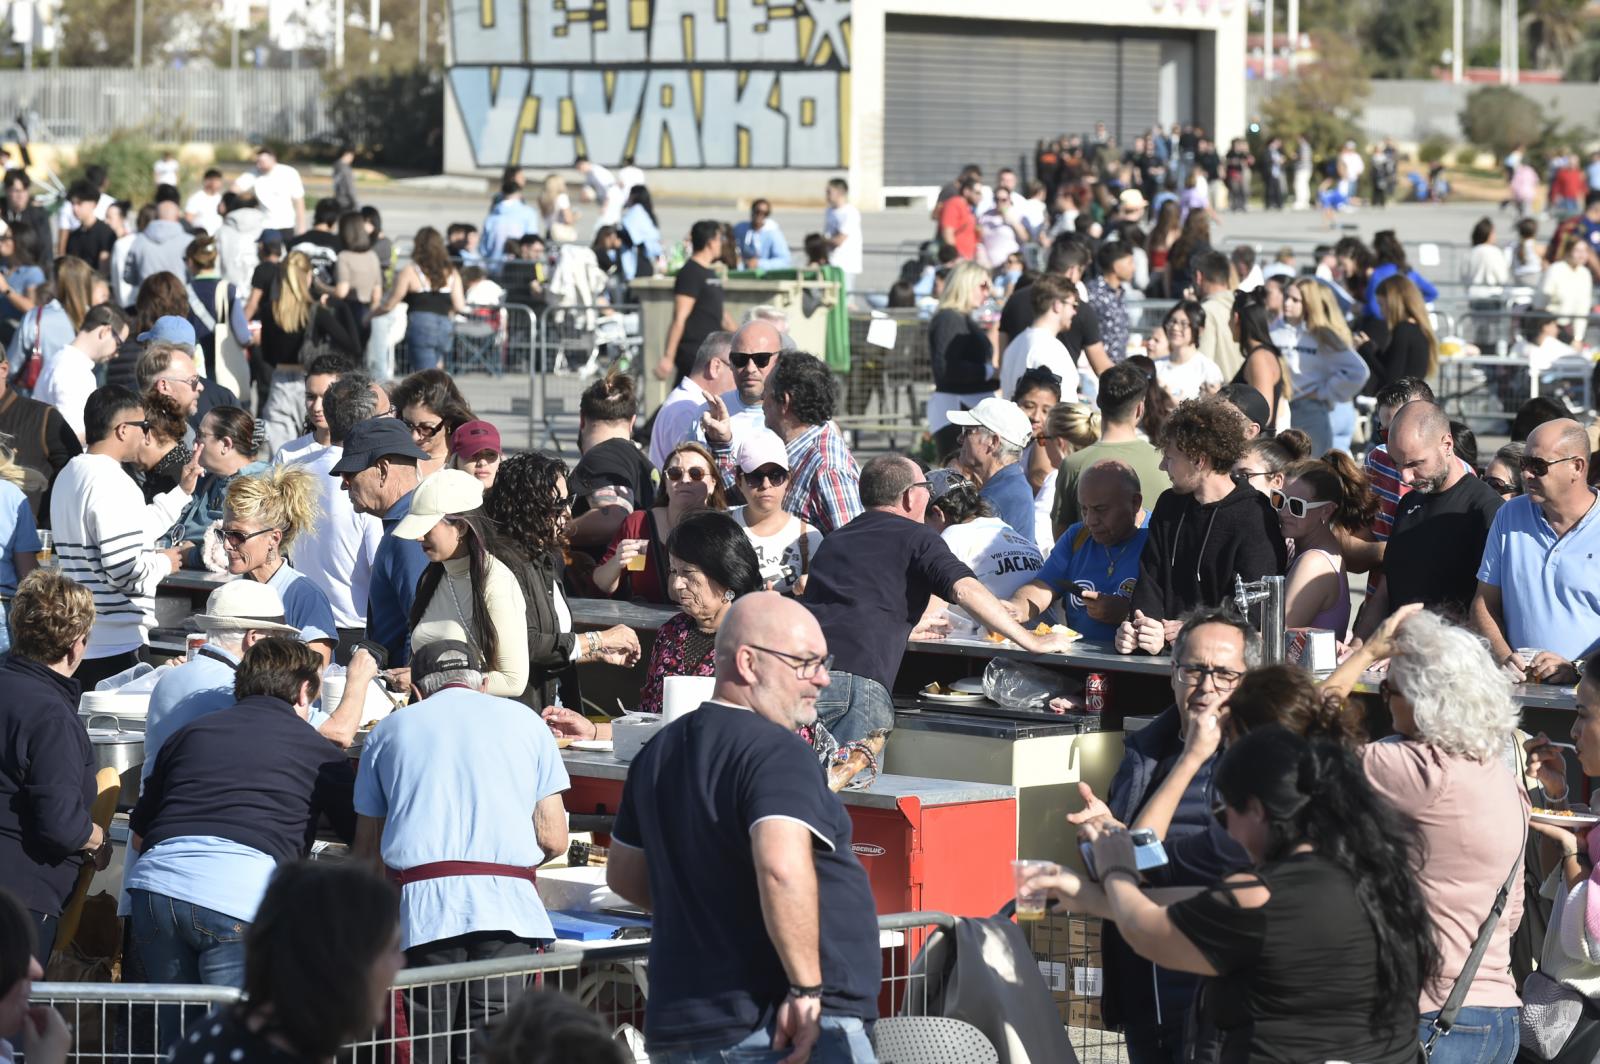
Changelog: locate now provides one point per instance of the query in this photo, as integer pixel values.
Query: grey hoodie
(237, 240)
(158, 248)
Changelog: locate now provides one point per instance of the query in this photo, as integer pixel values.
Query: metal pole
(422, 31)
(372, 34)
(1455, 41)
(338, 34)
(1516, 41)
(138, 34)
(1294, 35)
(1268, 53)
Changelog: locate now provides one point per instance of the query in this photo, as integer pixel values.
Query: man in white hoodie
(105, 533)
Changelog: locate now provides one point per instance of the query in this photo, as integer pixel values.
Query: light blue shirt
(456, 778)
(1549, 587)
(510, 219)
(305, 605)
(18, 534)
(186, 693)
(766, 245)
(1011, 496)
(203, 870)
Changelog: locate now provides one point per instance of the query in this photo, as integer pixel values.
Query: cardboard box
(1067, 949)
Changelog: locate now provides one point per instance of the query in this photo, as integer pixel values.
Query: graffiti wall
(684, 84)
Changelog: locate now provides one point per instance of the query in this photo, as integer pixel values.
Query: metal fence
(192, 103)
(437, 1014)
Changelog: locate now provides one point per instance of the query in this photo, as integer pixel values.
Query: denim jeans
(851, 706)
(180, 942)
(1480, 1036)
(1314, 418)
(1342, 419)
(428, 339)
(844, 1040)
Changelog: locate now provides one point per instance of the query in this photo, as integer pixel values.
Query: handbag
(1458, 993)
(1558, 1025)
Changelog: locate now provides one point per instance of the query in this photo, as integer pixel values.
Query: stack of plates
(129, 710)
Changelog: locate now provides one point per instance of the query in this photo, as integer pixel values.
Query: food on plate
(995, 637)
(853, 758)
(563, 741)
(936, 688)
(1557, 812)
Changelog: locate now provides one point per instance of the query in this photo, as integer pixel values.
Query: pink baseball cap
(473, 437)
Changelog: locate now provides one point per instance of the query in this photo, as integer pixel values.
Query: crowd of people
(378, 531)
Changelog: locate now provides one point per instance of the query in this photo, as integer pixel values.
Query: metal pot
(118, 748)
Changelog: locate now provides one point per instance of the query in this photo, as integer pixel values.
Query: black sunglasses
(423, 429)
(776, 477)
(677, 473)
(1541, 466)
(741, 359)
(1501, 487)
(236, 539)
(141, 425)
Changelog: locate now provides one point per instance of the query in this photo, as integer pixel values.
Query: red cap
(473, 437)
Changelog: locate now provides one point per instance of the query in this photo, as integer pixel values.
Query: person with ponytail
(1320, 950)
(1264, 368)
(1266, 457)
(1319, 496)
(262, 515)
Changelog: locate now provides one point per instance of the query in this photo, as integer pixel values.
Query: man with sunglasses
(761, 243)
(679, 417)
(1440, 523)
(729, 420)
(103, 531)
(1537, 582)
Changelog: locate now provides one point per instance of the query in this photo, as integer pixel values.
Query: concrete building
(889, 93)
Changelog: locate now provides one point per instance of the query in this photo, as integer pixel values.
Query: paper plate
(593, 746)
(1565, 820)
(959, 698)
(971, 685)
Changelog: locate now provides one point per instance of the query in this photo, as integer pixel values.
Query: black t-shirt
(1437, 543)
(705, 288)
(1083, 332)
(963, 357)
(89, 243)
(614, 463)
(225, 1036)
(1298, 975)
(263, 277)
(1016, 317)
(693, 796)
(323, 251)
(870, 582)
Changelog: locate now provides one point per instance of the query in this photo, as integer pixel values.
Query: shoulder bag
(1458, 993)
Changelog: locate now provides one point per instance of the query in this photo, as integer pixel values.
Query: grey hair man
(993, 435)
(679, 417)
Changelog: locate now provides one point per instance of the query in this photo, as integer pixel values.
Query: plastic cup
(1031, 904)
(636, 563)
(47, 545)
(1527, 654)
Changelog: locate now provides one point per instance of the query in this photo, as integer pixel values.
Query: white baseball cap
(245, 605)
(762, 448)
(1001, 417)
(245, 182)
(449, 491)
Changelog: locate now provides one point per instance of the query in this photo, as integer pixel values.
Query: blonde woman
(296, 325)
(19, 539)
(262, 515)
(1325, 371)
(965, 370)
(1067, 427)
(1413, 350)
(1567, 290)
(431, 290)
(560, 220)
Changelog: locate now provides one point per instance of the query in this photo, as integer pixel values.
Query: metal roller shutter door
(958, 91)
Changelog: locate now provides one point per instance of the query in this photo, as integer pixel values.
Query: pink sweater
(1473, 816)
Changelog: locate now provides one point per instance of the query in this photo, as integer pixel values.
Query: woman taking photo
(320, 961)
(1185, 373)
(468, 592)
(225, 447)
(1264, 369)
(1323, 842)
(1318, 497)
(783, 543)
(262, 515)
(433, 408)
(296, 326)
(963, 352)
(689, 482)
(1325, 372)
(529, 505)
(1412, 349)
(47, 768)
(431, 290)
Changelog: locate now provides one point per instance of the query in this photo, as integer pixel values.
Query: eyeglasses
(1222, 679)
(1251, 474)
(143, 426)
(741, 359)
(775, 477)
(236, 539)
(1296, 506)
(804, 668)
(1179, 324)
(925, 484)
(423, 429)
(677, 473)
(192, 382)
(1539, 467)
(1502, 487)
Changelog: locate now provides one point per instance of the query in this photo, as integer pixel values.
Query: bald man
(1440, 523)
(1538, 601)
(1094, 566)
(763, 933)
(728, 420)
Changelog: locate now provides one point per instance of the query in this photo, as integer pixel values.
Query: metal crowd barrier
(564, 349)
(437, 1014)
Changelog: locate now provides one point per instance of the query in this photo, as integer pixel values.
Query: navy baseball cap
(375, 438)
(445, 655)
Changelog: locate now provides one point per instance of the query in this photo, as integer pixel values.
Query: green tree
(1554, 30)
(1405, 40)
(99, 33)
(1322, 101)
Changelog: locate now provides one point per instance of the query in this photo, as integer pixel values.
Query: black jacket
(47, 771)
(549, 646)
(255, 774)
(963, 357)
(1194, 551)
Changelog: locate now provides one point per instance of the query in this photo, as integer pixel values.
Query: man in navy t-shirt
(763, 934)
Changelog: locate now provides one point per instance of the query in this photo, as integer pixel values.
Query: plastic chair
(931, 1040)
(108, 788)
(479, 339)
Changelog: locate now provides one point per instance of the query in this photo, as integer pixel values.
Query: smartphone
(1148, 853)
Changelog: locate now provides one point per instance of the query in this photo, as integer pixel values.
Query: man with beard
(1440, 523)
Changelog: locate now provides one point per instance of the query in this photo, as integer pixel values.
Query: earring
(727, 596)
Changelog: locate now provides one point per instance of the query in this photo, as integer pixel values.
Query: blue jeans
(180, 942)
(1314, 418)
(1480, 1036)
(428, 339)
(851, 706)
(844, 1040)
(1343, 421)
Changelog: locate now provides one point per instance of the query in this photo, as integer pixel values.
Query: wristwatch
(805, 991)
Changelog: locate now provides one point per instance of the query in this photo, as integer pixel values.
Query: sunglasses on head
(1501, 487)
(741, 359)
(1296, 506)
(1539, 467)
(677, 473)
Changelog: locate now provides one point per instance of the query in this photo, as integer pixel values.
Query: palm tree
(1554, 28)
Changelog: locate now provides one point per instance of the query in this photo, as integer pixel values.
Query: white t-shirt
(1188, 380)
(1000, 558)
(166, 172)
(66, 383)
(1034, 347)
(844, 219)
(677, 420)
(201, 209)
(998, 238)
(276, 192)
(782, 559)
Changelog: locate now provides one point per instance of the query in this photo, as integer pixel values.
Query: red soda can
(1095, 690)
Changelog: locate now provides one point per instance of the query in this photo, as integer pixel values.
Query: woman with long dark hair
(1391, 261)
(1264, 369)
(1330, 922)
(431, 290)
(529, 505)
(469, 591)
(642, 254)
(432, 407)
(20, 277)
(1321, 498)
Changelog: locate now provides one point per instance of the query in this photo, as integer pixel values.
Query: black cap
(446, 655)
(1249, 402)
(375, 438)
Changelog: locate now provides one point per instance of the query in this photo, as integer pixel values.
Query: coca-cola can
(1096, 689)
(192, 644)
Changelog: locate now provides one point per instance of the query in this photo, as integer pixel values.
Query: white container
(377, 704)
(129, 710)
(683, 694)
(630, 733)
